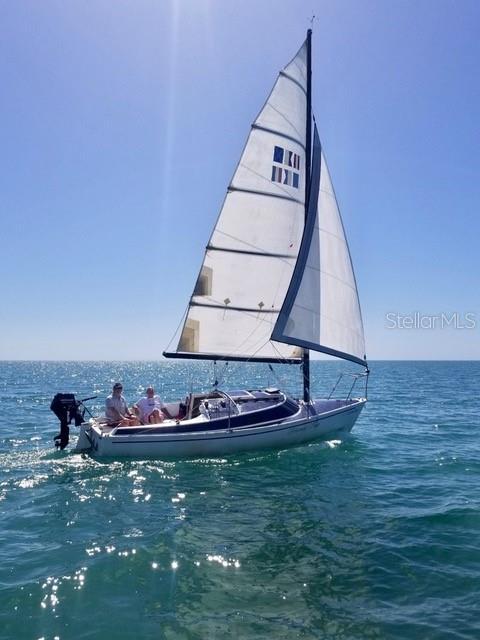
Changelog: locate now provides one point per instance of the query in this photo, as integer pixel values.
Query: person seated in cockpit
(116, 409)
(150, 408)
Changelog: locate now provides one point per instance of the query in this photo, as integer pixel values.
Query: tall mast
(308, 153)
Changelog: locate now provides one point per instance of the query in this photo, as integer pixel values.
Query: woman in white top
(150, 408)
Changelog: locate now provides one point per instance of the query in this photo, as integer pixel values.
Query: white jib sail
(251, 254)
(322, 309)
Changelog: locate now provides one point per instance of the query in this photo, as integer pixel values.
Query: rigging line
(250, 335)
(245, 341)
(281, 383)
(304, 377)
(281, 356)
(220, 379)
(259, 349)
(182, 320)
(300, 362)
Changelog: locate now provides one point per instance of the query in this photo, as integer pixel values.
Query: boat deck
(220, 410)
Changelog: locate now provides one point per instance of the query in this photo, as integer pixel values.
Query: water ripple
(375, 537)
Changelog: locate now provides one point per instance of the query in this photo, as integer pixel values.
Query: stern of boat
(84, 443)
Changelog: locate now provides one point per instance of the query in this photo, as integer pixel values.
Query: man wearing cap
(117, 411)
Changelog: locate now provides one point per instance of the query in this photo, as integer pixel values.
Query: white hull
(328, 419)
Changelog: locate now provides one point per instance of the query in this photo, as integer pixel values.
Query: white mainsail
(322, 309)
(253, 249)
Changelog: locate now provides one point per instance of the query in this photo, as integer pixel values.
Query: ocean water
(375, 537)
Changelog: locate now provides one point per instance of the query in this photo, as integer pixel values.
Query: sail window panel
(285, 157)
(254, 172)
(252, 223)
(278, 153)
(247, 281)
(233, 333)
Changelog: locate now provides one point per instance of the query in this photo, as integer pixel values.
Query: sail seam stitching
(278, 133)
(285, 75)
(252, 247)
(330, 233)
(330, 319)
(264, 193)
(251, 253)
(227, 308)
(331, 275)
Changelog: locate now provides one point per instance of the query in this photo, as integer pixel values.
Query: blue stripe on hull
(230, 436)
(278, 412)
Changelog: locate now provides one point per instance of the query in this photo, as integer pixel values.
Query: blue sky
(121, 125)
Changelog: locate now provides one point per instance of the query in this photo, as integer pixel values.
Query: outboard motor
(66, 408)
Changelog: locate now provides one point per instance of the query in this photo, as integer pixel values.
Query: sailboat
(276, 281)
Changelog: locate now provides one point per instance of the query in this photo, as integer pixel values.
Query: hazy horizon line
(177, 361)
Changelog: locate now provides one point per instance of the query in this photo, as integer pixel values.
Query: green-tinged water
(376, 537)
